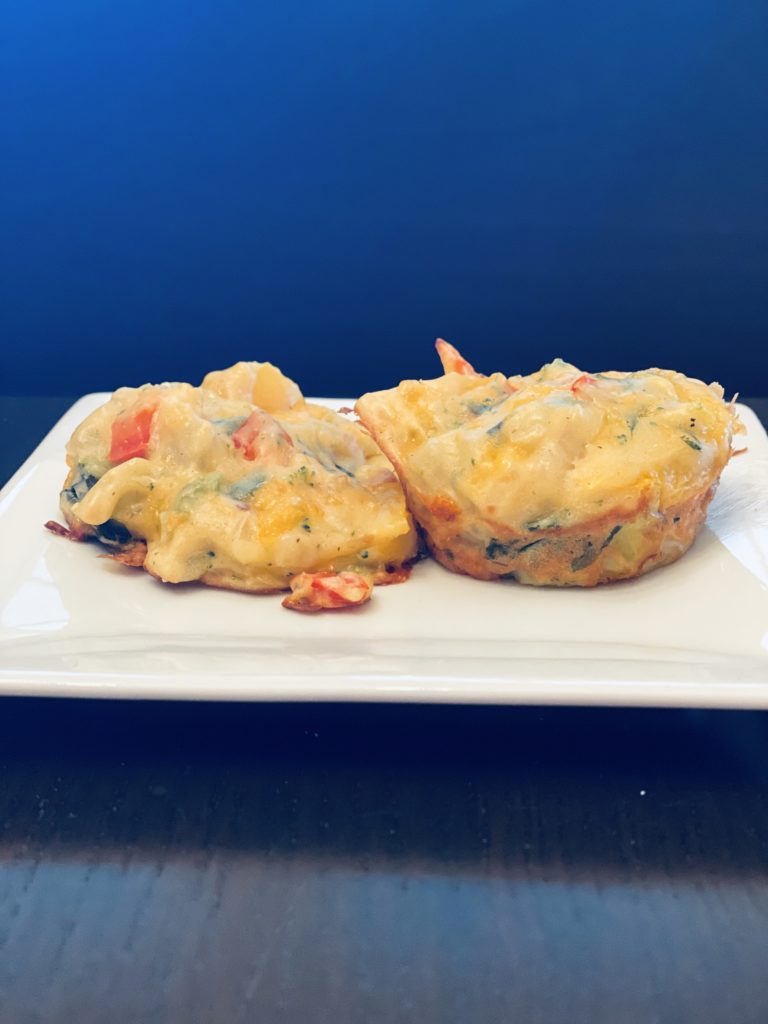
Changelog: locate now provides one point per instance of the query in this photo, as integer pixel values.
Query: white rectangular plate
(694, 634)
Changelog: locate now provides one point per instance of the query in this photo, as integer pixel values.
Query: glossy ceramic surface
(693, 634)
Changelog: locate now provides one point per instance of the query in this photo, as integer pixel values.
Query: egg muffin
(239, 483)
(559, 478)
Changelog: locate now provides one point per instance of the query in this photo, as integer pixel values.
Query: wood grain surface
(224, 863)
(378, 864)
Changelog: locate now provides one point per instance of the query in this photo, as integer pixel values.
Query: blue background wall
(331, 185)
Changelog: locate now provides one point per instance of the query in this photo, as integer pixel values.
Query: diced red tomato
(258, 432)
(319, 591)
(581, 382)
(130, 434)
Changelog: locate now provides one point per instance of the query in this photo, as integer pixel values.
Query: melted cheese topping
(557, 448)
(312, 493)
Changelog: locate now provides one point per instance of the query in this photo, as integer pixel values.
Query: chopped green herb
(229, 426)
(478, 408)
(247, 486)
(485, 404)
(532, 544)
(610, 537)
(306, 526)
(302, 475)
(84, 481)
(363, 554)
(497, 548)
(692, 442)
(622, 438)
(211, 554)
(586, 558)
(188, 495)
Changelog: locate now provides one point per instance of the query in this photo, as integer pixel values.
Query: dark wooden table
(354, 865)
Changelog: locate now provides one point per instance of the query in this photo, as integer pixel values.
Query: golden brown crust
(585, 557)
(223, 580)
(444, 508)
(132, 555)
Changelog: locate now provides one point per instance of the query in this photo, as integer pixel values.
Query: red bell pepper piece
(581, 381)
(258, 434)
(130, 434)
